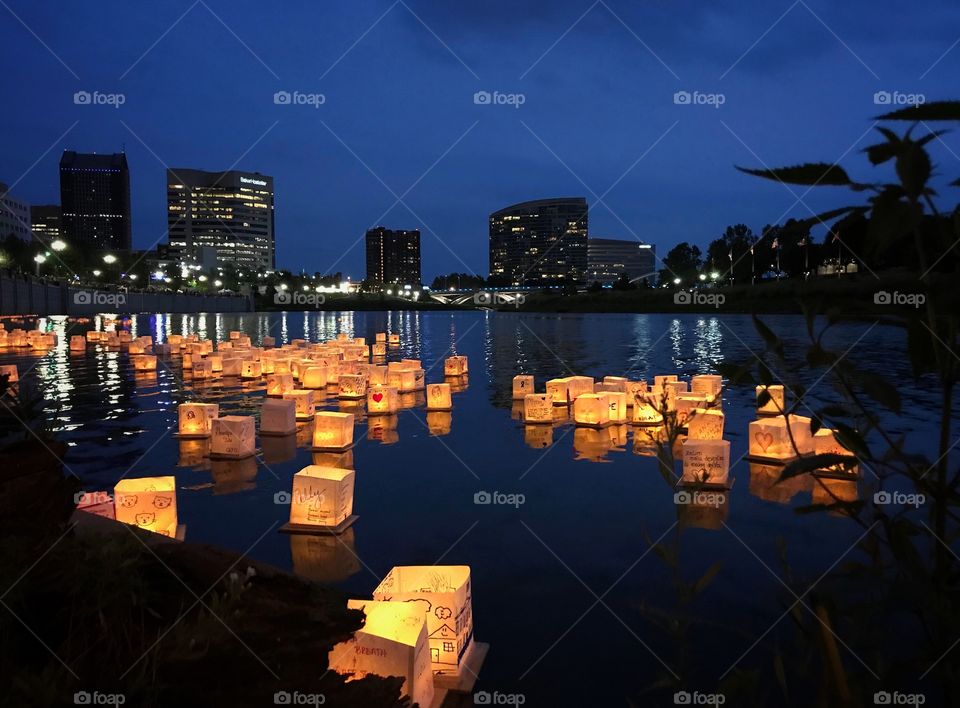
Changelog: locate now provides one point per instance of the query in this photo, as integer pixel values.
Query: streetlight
(39, 259)
(109, 259)
(703, 276)
(714, 275)
(676, 281)
(97, 273)
(218, 283)
(58, 245)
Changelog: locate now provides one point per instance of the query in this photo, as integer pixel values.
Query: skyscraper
(541, 242)
(95, 200)
(45, 223)
(14, 215)
(609, 258)
(229, 211)
(393, 256)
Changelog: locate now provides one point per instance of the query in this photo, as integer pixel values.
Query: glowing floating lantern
(232, 366)
(617, 407)
(443, 592)
(314, 377)
(332, 430)
(268, 341)
(392, 642)
(522, 385)
(455, 366)
(194, 419)
(537, 408)
(250, 369)
(403, 380)
(78, 343)
(635, 390)
(279, 384)
(770, 439)
(306, 407)
(149, 503)
(676, 388)
(234, 335)
(10, 371)
(393, 340)
(705, 424)
(202, 369)
(775, 403)
(216, 363)
(322, 500)
(825, 443)
(591, 409)
(558, 390)
(93, 335)
(645, 413)
(145, 362)
(379, 349)
(439, 397)
(380, 337)
(706, 461)
(352, 386)
(659, 381)
(376, 375)
(233, 436)
(382, 400)
(278, 416)
(709, 385)
(686, 404)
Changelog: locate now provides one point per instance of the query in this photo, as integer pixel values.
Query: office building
(539, 243)
(95, 201)
(393, 256)
(14, 216)
(231, 212)
(609, 258)
(45, 223)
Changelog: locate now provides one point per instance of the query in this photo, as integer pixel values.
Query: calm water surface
(565, 588)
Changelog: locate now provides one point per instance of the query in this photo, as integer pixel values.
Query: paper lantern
(686, 404)
(10, 371)
(617, 410)
(332, 430)
(313, 377)
(444, 593)
(149, 503)
(439, 398)
(78, 343)
(402, 379)
(392, 642)
(704, 424)
(635, 390)
(162, 350)
(234, 335)
(393, 340)
(352, 386)
(377, 375)
(279, 384)
(644, 413)
(382, 400)
(618, 382)
(455, 366)
(232, 366)
(558, 390)
(145, 362)
(383, 429)
(770, 440)
(242, 342)
(592, 409)
(709, 385)
(278, 416)
(195, 419)
(306, 407)
(250, 369)
(706, 461)
(776, 403)
(538, 408)
(268, 341)
(94, 336)
(379, 349)
(322, 497)
(233, 436)
(676, 388)
(202, 369)
(522, 385)
(825, 443)
(380, 337)
(659, 381)
(539, 436)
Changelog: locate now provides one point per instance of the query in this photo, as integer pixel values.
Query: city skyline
(475, 122)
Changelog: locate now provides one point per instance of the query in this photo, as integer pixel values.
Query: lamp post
(39, 259)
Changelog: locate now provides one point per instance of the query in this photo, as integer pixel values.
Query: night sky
(399, 140)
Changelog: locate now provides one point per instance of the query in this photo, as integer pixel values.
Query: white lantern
(202, 369)
(278, 416)
(314, 377)
(145, 362)
(775, 403)
(94, 335)
(537, 408)
(439, 398)
(709, 385)
(381, 337)
(618, 383)
(149, 503)
(233, 436)
(234, 335)
(377, 375)
(579, 385)
(685, 404)
(558, 390)
(825, 443)
(705, 424)
(676, 388)
(644, 413)
(250, 369)
(195, 419)
(322, 498)
(403, 380)
(455, 366)
(392, 642)
(306, 407)
(617, 407)
(444, 593)
(635, 390)
(706, 461)
(352, 386)
(382, 400)
(232, 366)
(332, 430)
(279, 384)
(393, 340)
(659, 381)
(770, 440)
(522, 385)
(591, 409)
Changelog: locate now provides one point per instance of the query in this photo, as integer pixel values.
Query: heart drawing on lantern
(377, 397)
(764, 440)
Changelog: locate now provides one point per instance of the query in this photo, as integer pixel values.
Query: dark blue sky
(599, 119)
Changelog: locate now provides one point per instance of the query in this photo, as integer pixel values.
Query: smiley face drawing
(145, 518)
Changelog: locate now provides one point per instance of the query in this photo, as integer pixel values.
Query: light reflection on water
(417, 475)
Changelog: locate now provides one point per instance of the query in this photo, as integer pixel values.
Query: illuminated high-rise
(95, 200)
(393, 256)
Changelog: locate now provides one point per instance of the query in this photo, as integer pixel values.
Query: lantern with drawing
(709, 385)
(705, 424)
(591, 409)
(250, 369)
(659, 381)
(393, 340)
(306, 407)
(322, 499)
(279, 384)
(643, 412)
(771, 400)
(455, 366)
(537, 408)
(233, 436)
(634, 390)
(522, 385)
(195, 419)
(617, 407)
(202, 369)
(379, 349)
(382, 400)
(558, 390)
(771, 440)
(352, 386)
(403, 380)
(706, 461)
(685, 404)
(149, 503)
(278, 416)
(332, 430)
(439, 398)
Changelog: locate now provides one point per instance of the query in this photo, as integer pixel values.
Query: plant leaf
(936, 110)
(810, 174)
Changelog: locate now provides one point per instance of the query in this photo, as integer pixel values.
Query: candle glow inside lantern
(145, 362)
(591, 409)
(558, 390)
(439, 397)
(634, 390)
(537, 408)
(352, 386)
(278, 416)
(376, 375)
(705, 424)
(522, 385)
(234, 335)
(202, 369)
(195, 419)
(149, 503)
(579, 385)
(643, 412)
(322, 496)
(94, 335)
(382, 400)
(770, 439)
(393, 340)
(233, 436)
(314, 377)
(776, 401)
(379, 349)
(676, 389)
(392, 642)
(250, 369)
(306, 407)
(380, 337)
(709, 385)
(444, 593)
(616, 383)
(706, 461)
(332, 430)
(279, 384)
(404, 380)
(825, 443)
(455, 366)
(686, 404)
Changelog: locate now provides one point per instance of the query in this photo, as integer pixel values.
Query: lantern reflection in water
(538, 436)
(278, 417)
(439, 398)
(149, 503)
(383, 429)
(233, 436)
(324, 558)
(341, 459)
(278, 448)
(593, 444)
(332, 430)
(766, 483)
(232, 476)
(322, 499)
(835, 494)
(392, 642)
(195, 419)
(145, 362)
(193, 452)
(439, 422)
